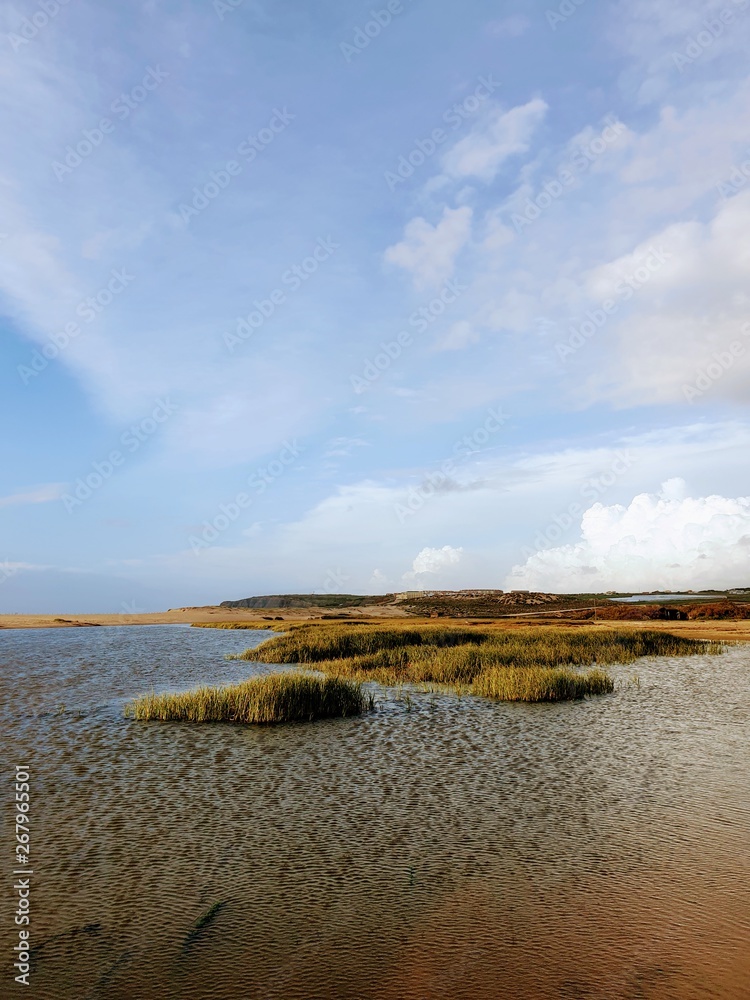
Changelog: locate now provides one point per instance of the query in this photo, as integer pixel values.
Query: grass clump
(319, 643)
(457, 656)
(541, 683)
(273, 698)
(259, 626)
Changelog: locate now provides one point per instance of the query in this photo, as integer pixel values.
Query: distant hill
(493, 604)
(308, 601)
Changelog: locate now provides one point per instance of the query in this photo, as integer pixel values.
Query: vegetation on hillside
(308, 601)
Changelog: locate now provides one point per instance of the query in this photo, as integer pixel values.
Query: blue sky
(465, 305)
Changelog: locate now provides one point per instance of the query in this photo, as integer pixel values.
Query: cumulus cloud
(686, 333)
(379, 583)
(493, 140)
(433, 561)
(429, 252)
(664, 541)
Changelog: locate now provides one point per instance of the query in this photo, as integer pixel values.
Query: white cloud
(493, 140)
(673, 42)
(40, 494)
(505, 500)
(429, 252)
(457, 337)
(379, 583)
(659, 541)
(689, 310)
(434, 561)
(509, 27)
(343, 447)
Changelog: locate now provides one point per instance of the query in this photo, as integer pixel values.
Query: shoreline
(732, 630)
(188, 616)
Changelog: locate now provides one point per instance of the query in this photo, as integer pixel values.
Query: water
(440, 848)
(660, 598)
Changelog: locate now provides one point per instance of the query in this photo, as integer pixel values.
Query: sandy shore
(186, 616)
(725, 631)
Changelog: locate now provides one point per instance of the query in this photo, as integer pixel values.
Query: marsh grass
(541, 683)
(508, 664)
(318, 643)
(455, 655)
(268, 699)
(264, 626)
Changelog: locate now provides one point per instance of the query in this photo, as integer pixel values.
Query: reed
(316, 643)
(456, 656)
(541, 684)
(268, 699)
(264, 626)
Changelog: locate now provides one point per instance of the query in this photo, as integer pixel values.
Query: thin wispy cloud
(39, 494)
(566, 239)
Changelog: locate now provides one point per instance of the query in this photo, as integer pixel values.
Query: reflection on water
(442, 847)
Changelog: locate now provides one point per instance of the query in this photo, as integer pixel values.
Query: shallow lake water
(441, 847)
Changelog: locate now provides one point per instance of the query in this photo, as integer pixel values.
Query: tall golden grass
(510, 664)
(445, 654)
(273, 698)
(541, 683)
(274, 626)
(316, 643)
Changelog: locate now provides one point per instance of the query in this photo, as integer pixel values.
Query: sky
(344, 298)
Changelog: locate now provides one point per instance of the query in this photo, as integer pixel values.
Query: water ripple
(440, 847)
